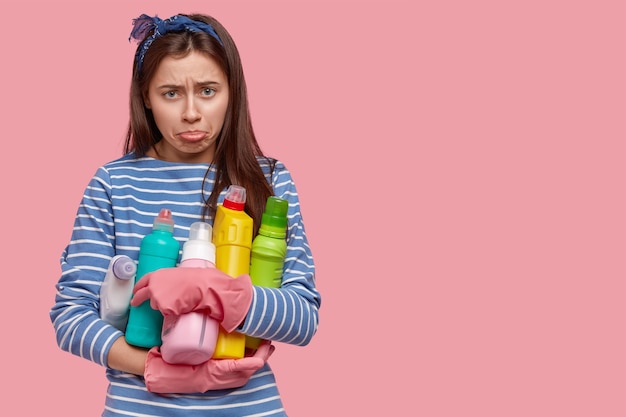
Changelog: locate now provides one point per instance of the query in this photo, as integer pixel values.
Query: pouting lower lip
(192, 135)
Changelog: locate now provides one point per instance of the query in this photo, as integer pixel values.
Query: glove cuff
(239, 301)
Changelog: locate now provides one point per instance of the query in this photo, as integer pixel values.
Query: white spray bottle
(117, 290)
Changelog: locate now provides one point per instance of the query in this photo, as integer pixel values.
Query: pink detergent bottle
(190, 338)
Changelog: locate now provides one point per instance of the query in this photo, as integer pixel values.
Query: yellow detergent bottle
(232, 236)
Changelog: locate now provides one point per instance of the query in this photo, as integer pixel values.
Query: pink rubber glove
(164, 378)
(182, 290)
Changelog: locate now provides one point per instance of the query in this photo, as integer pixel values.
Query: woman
(189, 138)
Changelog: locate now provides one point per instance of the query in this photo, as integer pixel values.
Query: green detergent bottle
(159, 249)
(269, 249)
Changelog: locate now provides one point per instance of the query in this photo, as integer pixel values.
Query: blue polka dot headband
(144, 24)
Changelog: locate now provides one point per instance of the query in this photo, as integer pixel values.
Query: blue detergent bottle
(159, 249)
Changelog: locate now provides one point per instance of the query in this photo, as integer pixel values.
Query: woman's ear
(146, 101)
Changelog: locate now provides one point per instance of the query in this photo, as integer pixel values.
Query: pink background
(461, 170)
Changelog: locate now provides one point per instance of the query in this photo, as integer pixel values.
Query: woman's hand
(182, 290)
(214, 374)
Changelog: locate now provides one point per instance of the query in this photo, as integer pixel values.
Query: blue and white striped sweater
(117, 210)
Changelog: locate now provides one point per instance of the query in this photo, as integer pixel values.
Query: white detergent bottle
(190, 338)
(117, 290)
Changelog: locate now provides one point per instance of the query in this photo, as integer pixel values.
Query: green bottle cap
(274, 219)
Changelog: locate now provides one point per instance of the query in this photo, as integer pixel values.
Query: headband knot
(179, 23)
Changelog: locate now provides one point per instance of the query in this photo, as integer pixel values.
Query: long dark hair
(237, 148)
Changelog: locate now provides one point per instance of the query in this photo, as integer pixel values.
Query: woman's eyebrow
(198, 83)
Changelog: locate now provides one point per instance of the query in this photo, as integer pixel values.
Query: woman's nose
(191, 113)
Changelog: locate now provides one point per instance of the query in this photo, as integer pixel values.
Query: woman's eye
(170, 94)
(208, 92)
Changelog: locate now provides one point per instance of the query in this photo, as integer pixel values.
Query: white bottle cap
(199, 245)
(124, 268)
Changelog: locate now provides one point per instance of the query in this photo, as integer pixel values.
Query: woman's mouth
(192, 136)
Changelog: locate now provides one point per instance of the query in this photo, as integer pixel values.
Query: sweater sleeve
(84, 261)
(288, 314)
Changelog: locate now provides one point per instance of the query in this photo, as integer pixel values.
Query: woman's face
(188, 97)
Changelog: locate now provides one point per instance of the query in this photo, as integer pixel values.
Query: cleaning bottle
(116, 291)
(159, 249)
(269, 249)
(232, 236)
(190, 338)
